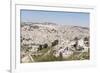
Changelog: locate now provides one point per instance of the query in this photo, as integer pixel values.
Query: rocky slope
(64, 40)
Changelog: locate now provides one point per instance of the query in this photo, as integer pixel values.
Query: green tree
(45, 45)
(40, 47)
(55, 42)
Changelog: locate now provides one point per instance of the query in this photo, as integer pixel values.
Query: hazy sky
(64, 18)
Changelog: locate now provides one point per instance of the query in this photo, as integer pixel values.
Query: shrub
(45, 45)
(86, 44)
(76, 38)
(86, 39)
(27, 50)
(55, 42)
(75, 45)
(40, 47)
(28, 39)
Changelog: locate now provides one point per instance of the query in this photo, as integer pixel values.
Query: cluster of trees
(43, 46)
(86, 41)
(76, 45)
(54, 43)
(25, 39)
(26, 47)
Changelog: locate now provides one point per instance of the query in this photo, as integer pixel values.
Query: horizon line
(52, 23)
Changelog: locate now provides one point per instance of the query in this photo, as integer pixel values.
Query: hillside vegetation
(43, 42)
